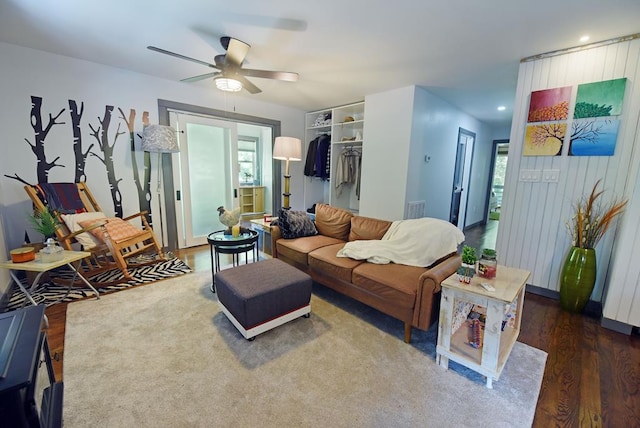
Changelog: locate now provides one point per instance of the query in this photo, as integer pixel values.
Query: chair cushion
(118, 229)
(85, 239)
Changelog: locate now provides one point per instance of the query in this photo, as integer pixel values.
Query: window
(249, 160)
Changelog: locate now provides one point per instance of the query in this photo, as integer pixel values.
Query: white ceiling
(465, 51)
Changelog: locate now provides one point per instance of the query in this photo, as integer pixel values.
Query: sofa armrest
(425, 312)
(275, 235)
(432, 278)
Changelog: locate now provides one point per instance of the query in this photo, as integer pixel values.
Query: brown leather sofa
(408, 293)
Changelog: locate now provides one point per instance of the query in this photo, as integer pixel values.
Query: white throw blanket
(415, 242)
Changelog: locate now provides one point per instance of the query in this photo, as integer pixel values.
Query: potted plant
(468, 267)
(588, 225)
(45, 222)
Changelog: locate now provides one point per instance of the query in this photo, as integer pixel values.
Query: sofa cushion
(367, 228)
(333, 222)
(325, 261)
(297, 249)
(295, 224)
(398, 284)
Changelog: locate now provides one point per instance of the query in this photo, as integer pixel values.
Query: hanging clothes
(318, 155)
(348, 170)
(323, 156)
(310, 162)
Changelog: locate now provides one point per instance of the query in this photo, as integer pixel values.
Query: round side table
(219, 243)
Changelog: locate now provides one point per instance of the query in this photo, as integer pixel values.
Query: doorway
(250, 127)
(207, 175)
(497, 173)
(461, 177)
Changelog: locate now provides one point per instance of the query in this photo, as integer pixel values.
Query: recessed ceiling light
(502, 108)
(584, 39)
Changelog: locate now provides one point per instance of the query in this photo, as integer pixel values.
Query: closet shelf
(347, 143)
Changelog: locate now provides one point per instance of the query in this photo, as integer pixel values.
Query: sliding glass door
(207, 175)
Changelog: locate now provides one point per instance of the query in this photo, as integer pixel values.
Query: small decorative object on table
(468, 268)
(487, 265)
(52, 252)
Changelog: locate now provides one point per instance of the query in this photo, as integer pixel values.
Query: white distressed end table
(490, 358)
(37, 265)
(264, 229)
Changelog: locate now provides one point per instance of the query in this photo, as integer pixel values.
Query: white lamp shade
(159, 139)
(288, 148)
(227, 84)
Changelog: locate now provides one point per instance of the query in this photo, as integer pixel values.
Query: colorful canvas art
(600, 99)
(549, 104)
(544, 140)
(592, 137)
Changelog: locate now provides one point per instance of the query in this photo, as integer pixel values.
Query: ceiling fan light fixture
(228, 84)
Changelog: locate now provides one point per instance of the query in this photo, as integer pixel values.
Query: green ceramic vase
(577, 279)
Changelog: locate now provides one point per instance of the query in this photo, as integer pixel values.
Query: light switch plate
(550, 175)
(530, 175)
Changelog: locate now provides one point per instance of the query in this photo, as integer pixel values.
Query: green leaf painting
(600, 99)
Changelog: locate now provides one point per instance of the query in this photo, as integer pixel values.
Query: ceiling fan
(230, 76)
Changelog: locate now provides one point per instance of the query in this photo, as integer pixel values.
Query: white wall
(5, 279)
(532, 233)
(622, 301)
(436, 126)
(385, 153)
(57, 79)
(402, 127)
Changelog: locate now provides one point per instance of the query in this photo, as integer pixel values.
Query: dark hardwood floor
(592, 375)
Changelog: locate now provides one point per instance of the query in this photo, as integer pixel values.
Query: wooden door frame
(492, 167)
(164, 107)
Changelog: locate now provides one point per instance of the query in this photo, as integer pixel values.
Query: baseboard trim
(593, 309)
(618, 326)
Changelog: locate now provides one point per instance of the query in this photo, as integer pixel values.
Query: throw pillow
(118, 229)
(72, 221)
(295, 224)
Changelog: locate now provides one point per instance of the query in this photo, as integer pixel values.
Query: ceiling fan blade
(201, 77)
(266, 74)
(246, 84)
(166, 52)
(236, 52)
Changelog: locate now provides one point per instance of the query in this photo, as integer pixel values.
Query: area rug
(164, 355)
(51, 293)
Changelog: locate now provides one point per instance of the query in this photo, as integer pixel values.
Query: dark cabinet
(29, 394)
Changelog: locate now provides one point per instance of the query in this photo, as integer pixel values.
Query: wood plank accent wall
(532, 234)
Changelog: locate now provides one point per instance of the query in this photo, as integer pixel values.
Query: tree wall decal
(101, 134)
(80, 157)
(142, 186)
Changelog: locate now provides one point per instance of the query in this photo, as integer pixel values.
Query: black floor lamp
(287, 149)
(160, 139)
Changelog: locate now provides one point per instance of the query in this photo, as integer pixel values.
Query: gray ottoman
(260, 296)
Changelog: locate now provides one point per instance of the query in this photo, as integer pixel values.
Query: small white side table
(264, 229)
(67, 258)
(488, 360)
